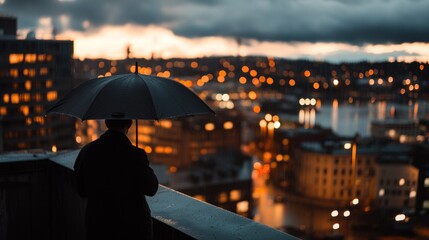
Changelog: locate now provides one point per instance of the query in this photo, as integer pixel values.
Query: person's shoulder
(90, 146)
(138, 150)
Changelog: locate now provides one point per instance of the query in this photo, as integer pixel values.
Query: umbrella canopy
(130, 96)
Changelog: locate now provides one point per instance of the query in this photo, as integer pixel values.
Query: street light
(400, 217)
(353, 147)
(346, 213)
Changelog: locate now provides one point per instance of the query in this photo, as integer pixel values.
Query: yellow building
(379, 175)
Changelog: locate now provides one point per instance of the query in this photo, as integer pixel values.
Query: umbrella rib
(150, 97)
(111, 80)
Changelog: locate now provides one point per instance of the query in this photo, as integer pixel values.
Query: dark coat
(115, 177)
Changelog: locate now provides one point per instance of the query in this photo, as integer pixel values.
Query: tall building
(33, 74)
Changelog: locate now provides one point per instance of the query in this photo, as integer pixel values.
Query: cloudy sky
(333, 30)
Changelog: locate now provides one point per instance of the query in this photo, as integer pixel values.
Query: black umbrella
(130, 96)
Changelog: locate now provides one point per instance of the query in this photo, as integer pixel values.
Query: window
(235, 195)
(200, 197)
(16, 58)
(426, 182)
(223, 197)
(242, 207)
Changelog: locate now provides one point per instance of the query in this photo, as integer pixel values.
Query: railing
(53, 210)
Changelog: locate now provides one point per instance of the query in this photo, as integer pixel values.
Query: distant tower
(54, 32)
(128, 51)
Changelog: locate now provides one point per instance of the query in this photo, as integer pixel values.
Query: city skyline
(317, 30)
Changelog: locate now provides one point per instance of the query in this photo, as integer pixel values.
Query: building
(222, 179)
(179, 142)
(381, 176)
(325, 170)
(396, 182)
(34, 73)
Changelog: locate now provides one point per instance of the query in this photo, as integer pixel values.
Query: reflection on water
(348, 119)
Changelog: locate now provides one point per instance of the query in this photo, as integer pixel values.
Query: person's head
(121, 125)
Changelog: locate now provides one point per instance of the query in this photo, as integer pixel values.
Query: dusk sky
(333, 30)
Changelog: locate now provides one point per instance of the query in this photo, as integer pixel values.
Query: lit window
(25, 110)
(14, 72)
(243, 207)
(228, 125)
(209, 127)
(44, 71)
(235, 195)
(401, 182)
(51, 96)
(16, 58)
(223, 197)
(30, 57)
(3, 110)
(32, 72)
(200, 197)
(166, 123)
(37, 97)
(41, 57)
(426, 182)
(426, 204)
(48, 83)
(28, 85)
(14, 98)
(39, 119)
(148, 149)
(6, 98)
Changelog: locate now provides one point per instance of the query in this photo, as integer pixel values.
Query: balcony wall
(38, 201)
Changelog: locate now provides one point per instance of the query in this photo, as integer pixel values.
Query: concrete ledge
(175, 215)
(200, 220)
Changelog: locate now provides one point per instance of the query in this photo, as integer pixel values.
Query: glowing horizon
(111, 41)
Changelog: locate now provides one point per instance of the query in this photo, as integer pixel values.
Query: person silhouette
(114, 176)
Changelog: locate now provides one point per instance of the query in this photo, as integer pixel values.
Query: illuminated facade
(327, 172)
(382, 176)
(396, 181)
(33, 74)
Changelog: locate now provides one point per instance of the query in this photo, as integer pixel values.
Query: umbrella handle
(137, 133)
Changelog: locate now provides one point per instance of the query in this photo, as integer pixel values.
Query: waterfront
(347, 119)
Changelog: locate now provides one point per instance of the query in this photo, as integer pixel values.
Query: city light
(336, 226)
(346, 213)
(355, 201)
(334, 213)
(400, 217)
(347, 145)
